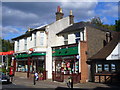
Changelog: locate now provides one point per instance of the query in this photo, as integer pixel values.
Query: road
(12, 86)
(27, 84)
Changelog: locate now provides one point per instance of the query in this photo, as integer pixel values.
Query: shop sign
(67, 57)
(115, 56)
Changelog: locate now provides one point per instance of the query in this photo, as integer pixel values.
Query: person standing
(36, 76)
(11, 73)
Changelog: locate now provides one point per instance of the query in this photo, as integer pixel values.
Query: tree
(6, 45)
(96, 21)
(117, 25)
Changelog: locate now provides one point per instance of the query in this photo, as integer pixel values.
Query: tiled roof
(29, 33)
(79, 26)
(107, 50)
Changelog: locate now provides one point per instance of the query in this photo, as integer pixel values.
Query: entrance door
(58, 75)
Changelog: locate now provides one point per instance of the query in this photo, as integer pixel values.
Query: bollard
(34, 80)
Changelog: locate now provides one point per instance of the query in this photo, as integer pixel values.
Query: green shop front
(65, 63)
(30, 63)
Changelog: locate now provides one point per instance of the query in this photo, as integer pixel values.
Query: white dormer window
(35, 39)
(65, 39)
(25, 43)
(77, 35)
(18, 45)
(41, 38)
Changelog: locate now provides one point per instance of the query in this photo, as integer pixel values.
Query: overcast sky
(18, 16)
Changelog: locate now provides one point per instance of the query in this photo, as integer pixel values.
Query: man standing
(35, 77)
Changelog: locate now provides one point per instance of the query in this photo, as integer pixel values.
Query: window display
(67, 66)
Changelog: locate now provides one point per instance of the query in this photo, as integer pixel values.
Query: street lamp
(29, 53)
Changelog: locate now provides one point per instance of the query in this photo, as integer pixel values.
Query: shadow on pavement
(63, 88)
(97, 88)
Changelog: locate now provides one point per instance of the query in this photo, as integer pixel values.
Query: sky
(17, 17)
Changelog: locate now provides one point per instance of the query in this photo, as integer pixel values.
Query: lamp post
(29, 53)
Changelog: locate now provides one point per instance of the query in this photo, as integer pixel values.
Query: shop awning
(23, 56)
(38, 54)
(27, 55)
(65, 51)
(7, 53)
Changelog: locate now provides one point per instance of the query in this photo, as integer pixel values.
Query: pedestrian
(11, 73)
(36, 76)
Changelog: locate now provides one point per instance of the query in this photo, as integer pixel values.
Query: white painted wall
(49, 62)
(71, 38)
(54, 40)
(115, 55)
(15, 46)
(54, 28)
(30, 43)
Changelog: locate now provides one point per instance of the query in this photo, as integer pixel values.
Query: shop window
(58, 66)
(113, 68)
(106, 67)
(69, 67)
(99, 68)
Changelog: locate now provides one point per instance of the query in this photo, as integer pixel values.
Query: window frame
(66, 39)
(77, 38)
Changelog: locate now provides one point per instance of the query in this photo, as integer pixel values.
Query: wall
(54, 40)
(54, 28)
(30, 43)
(83, 59)
(95, 39)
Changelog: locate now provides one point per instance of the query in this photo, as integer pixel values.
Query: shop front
(66, 63)
(105, 71)
(34, 62)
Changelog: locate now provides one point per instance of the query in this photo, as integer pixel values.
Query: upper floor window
(77, 35)
(25, 43)
(41, 38)
(65, 39)
(17, 45)
(35, 39)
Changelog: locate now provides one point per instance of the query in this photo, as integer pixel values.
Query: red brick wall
(84, 66)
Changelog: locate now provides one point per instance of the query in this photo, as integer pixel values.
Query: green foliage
(97, 21)
(40, 69)
(117, 25)
(3, 70)
(6, 45)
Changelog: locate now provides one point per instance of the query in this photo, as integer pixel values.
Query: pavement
(54, 85)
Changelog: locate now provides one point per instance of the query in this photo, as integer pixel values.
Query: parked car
(4, 78)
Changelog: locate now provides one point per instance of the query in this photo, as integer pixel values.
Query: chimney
(59, 14)
(71, 17)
